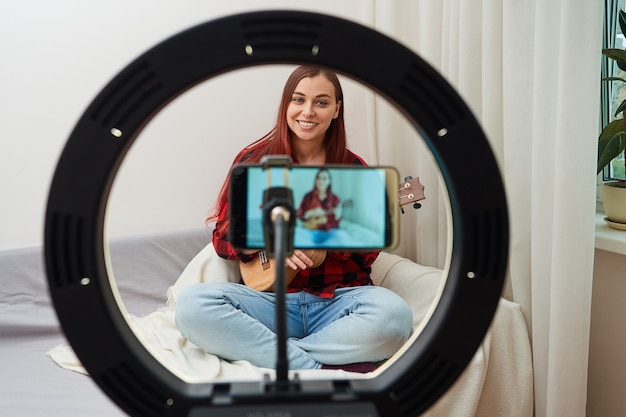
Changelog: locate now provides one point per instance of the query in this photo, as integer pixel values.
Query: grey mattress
(31, 384)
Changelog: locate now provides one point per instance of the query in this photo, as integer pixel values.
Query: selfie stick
(278, 223)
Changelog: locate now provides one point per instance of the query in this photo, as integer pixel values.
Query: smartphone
(337, 207)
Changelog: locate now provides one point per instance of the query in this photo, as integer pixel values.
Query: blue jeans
(235, 322)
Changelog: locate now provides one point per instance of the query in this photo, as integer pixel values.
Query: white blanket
(498, 381)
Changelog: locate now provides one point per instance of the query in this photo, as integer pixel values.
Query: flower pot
(614, 198)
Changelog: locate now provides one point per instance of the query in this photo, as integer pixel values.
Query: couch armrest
(417, 284)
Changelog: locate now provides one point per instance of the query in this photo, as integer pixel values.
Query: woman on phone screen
(320, 212)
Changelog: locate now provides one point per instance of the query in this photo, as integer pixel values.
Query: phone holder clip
(277, 201)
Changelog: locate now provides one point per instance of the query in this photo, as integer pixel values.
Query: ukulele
(260, 273)
(314, 222)
(411, 191)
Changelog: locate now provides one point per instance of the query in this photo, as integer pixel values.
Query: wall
(58, 55)
(607, 348)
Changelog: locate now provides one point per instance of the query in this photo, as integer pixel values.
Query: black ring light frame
(75, 252)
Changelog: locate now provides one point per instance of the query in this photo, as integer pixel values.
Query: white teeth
(307, 124)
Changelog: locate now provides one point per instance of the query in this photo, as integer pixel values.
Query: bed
(150, 268)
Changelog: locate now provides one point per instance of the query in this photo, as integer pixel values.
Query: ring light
(75, 253)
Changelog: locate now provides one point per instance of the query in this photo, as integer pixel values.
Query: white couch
(498, 381)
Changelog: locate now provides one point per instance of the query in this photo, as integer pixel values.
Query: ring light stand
(278, 224)
(75, 253)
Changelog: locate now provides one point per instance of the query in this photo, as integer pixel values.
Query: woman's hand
(314, 212)
(337, 212)
(303, 259)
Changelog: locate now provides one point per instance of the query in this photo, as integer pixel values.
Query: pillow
(417, 284)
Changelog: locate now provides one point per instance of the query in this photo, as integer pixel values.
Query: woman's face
(312, 108)
(322, 181)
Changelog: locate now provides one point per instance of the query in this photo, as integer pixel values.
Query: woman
(336, 317)
(320, 213)
(320, 208)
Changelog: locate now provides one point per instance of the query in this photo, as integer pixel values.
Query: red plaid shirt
(339, 269)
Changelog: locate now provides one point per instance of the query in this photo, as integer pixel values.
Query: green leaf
(621, 108)
(615, 54)
(609, 147)
(614, 79)
(613, 128)
(622, 20)
(610, 143)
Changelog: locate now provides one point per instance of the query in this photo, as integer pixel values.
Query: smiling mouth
(306, 124)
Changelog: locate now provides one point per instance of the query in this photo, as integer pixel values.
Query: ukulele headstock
(411, 191)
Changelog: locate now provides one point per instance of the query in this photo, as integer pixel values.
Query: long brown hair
(278, 140)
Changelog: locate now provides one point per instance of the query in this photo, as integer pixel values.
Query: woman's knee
(186, 307)
(193, 303)
(394, 314)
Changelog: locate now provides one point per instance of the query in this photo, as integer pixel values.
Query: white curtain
(530, 72)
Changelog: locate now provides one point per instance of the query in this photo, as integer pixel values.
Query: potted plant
(611, 146)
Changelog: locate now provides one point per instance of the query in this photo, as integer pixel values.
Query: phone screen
(337, 206)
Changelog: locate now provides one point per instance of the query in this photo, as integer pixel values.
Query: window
(615, 92)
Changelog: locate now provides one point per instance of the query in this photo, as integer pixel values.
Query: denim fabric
(235, 322)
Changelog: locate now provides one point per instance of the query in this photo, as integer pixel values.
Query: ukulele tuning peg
(416, 205)
(406, 181)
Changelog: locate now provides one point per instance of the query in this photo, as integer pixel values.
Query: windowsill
(609, 239)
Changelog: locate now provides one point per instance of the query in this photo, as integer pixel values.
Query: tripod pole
(280, 218)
